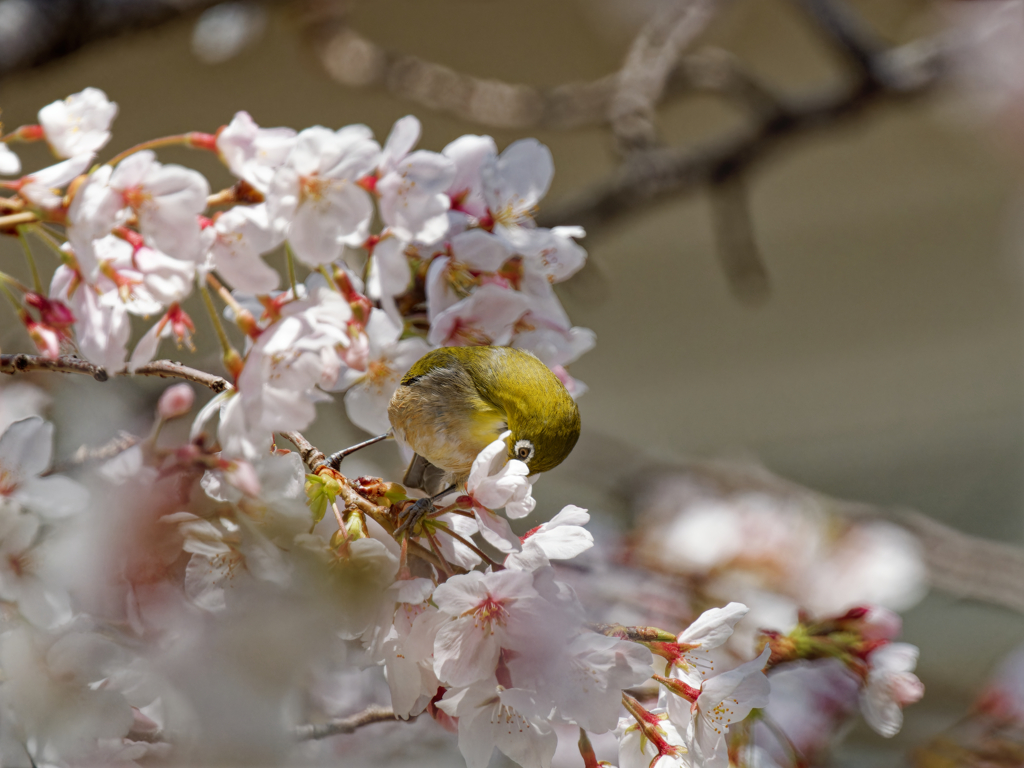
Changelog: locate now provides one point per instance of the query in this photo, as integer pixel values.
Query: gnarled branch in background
(654, 72)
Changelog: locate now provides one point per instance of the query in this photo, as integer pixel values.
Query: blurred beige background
(887, 366)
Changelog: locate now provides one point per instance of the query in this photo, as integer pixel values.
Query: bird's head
(541, 414)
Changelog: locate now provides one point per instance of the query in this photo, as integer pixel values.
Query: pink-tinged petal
(242, 235)
(17, 531)
(43, 607)
(431, 172)
(26, 448)
(496, 531)
(53, 497)
(382, 332)
(253, 153)
(315, 236)
(520, 177)
(480, 250)
(485, 460)
(464, 652)
(485, 317)
(145, 350)
(469, 153)
(392, 265)
(79, 123)
(42, 187)
(713, 627)
(403, 137)
(367, 408)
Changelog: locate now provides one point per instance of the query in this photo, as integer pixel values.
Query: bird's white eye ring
(523, 450)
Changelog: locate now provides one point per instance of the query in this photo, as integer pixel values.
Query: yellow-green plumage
(457, 400)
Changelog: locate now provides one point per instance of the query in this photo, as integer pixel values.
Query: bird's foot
(412, 515)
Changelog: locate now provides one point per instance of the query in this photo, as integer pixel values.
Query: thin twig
(480, 553)
(314, 458)
(173, 370)
(167, 369)
(87, 455)
(370, 715)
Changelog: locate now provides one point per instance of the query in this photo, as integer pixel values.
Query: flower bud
(880, 624)
(176, 401)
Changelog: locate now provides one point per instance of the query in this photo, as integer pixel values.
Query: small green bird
(455, 401)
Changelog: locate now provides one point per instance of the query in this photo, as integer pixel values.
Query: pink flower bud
(906, 688)
(880, 624)
(176, 401)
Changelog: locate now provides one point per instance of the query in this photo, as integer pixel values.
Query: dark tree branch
(662, 174)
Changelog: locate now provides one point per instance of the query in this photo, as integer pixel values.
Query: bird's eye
(523, 450)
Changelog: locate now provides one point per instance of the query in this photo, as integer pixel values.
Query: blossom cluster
(192, 600)
(459, 259)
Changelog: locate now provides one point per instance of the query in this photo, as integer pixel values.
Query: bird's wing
(425, 476)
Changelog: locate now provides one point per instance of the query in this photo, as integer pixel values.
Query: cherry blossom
(314, 199)
(389, 273)
(513, 184)
(369, 391)
(26, 449)
(237, 239)
(452, 277)
(52, 686)
(223, 552)
(167, 200)
(658, 744)
(891, 685)
(94, 211)
(412, 186)
(455, 551)
(101, 324)
(486, 611)
(253, 153)
(174, 323)
(407, 650)
(42, 187)
(724, 699)
(469, 154)
(487, 316)
(79, 124)
(495, 481)
(19, 400)
(711, 629)
(23, 564)
(583, 677)
(563, 537)
(277, 388)
(511, 719)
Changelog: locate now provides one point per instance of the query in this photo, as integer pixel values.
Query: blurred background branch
(658, 68)
(36, 32)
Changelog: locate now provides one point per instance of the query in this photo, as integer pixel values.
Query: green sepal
(396, 494)
(321, 490)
